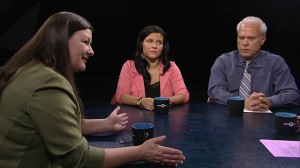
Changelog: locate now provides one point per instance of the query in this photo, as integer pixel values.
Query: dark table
(206, 134)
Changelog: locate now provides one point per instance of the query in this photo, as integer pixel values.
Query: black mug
(161, 105)
(285, 123)
(236, 106)
(141, 132)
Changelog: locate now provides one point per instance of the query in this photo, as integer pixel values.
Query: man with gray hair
(262, 78)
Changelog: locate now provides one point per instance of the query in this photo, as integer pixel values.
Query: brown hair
(49, 46)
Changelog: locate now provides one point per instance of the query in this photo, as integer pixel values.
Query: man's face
(249, 40)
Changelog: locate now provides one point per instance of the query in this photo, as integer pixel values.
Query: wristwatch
(139, 101)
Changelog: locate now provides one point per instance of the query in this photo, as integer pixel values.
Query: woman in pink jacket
(151, 73)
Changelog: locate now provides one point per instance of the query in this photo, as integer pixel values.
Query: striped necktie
(245, 87)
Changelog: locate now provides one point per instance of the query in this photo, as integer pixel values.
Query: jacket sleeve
(56, 117)
(124, 83)
(178, 84)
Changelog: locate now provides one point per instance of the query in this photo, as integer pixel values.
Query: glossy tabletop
(205, 133)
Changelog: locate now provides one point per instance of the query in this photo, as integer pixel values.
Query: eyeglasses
(126, 139)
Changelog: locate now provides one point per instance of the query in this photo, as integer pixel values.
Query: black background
(199, 31)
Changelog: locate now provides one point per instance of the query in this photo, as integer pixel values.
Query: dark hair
(50, 46)
(142, 64)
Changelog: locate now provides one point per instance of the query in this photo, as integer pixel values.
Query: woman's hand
(148, 103)
(151, 151)
(115, 121)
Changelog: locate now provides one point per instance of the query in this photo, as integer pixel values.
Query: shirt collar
(254, 59)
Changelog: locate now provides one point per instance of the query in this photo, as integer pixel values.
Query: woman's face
(153, 46)
(80, 49)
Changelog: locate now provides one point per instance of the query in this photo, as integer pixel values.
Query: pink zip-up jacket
(132, 83)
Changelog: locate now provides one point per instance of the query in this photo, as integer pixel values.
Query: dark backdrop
(199, 31)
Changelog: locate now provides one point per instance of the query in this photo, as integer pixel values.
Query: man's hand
(258, 102)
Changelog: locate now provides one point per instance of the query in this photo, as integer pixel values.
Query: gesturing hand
(115, 121)
(153, 152)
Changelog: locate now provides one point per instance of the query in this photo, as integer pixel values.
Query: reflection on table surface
(205, 133)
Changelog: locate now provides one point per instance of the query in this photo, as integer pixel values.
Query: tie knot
(248, 62)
